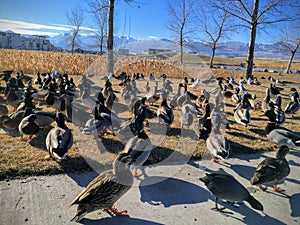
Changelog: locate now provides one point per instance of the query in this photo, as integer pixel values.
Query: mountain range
(135, 46)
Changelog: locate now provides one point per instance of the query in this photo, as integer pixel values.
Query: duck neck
(270, 126)
(124, 175)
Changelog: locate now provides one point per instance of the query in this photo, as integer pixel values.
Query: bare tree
(75, 19)
(255, 14)
(215, 25)
(110, 32)
(291, 42)
(180, 21)
(100, 18)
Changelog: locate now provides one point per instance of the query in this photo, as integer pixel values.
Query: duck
(267, 103)
(106, 189)
(203, 125)
(236, 97)
(241, 111)
(217, 143)
(59, 139)
(196, 83)
(190, 94)
(226, 187)
(272, 170)
(153, 97)
(294, 105)
(227, 93)
(3, 110)
(99, 122)
(165, 113)
(12, 98)
(139, 148)
(28, 126)
(12, 121)
(232, 81)
(187, 117)
(280, 114)
(241, 86)
(147, 87)
(174, 99)
(280, 135)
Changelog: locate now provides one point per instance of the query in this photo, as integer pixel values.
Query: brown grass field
(19, 158)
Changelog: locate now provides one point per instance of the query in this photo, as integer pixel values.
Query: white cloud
(152, 37)
(34, 28)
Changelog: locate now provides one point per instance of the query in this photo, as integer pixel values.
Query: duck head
(282, 152)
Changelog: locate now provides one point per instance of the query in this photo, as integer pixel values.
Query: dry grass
(27, 158)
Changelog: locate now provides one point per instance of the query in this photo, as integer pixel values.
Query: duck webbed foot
(216, 208)
(262, 187)
(215, 159)
(113, 211)
(277, 189)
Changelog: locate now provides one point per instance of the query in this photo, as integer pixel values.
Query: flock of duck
(91, 108)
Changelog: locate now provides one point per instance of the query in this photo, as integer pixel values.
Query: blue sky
(145, 19)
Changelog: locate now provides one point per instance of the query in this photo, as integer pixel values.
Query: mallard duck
(12, 99)
(153, 97)
(59, 139)
(139, 148)
(232, 81)
(106, 189)
(173, 101)
(280, 135)
(226, 187)
(190, 94)
(280, 114)
(272, 170)
(203, 125)
(165, 113)
(294, 105)
(242, 116)
(196, 84)
(236, 97)
(241, 86)
(12, 120)
(217, 143)
(3, 110)
(187, 117)
(28, 126)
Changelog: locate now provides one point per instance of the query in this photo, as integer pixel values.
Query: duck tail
(78, 216)
(255, 204)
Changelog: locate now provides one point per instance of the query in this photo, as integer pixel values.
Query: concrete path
(169, 195)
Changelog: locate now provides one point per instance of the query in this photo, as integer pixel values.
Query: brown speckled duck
(106, 189)
(272, 170)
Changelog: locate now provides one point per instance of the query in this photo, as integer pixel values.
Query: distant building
(16, 41)
(154, 51)
(123, 51)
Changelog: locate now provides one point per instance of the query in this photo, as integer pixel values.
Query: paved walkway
(155, 199)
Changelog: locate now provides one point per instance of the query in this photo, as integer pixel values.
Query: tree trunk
(290, 62)
(250, 56)
(73, 44)
(212, 56)
(181, 46)
(110, 38)
(101, 45)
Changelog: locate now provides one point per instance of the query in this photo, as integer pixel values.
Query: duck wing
(270, 170)
(100, 185)
(288, 133)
